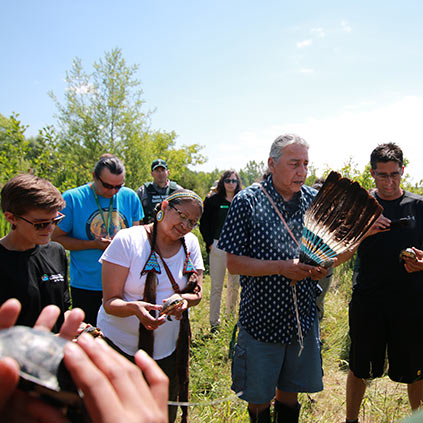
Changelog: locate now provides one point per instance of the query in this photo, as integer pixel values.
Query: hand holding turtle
(174, 306)
(142, 311)
(413, 264)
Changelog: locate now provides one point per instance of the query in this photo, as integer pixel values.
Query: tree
(252, 172)
(103, 112)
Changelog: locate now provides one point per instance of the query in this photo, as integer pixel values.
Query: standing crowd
(136, 269)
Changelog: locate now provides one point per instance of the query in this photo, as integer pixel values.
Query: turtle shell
(39, 354)
(170, 305)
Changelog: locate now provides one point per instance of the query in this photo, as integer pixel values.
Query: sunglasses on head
(43, 225)
(108, 186)
(228, 181)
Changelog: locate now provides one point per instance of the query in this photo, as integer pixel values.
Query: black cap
(158, 163)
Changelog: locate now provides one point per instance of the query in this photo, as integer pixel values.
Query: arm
(75, 244)
(114, 279)
(291, 269)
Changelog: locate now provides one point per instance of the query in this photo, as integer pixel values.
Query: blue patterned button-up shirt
(253, 228)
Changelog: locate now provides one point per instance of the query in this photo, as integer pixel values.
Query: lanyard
(109, 220)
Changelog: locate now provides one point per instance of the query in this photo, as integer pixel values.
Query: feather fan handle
(337, 219)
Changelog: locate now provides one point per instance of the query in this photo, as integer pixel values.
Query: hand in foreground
(414, 265)
(114, 388)
(16, 405)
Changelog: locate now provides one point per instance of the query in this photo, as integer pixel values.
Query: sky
(232, 75)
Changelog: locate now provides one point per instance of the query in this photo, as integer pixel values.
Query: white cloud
(346, 26)
(305, 43)
(306, 70)
(320, 32)
(333, 140)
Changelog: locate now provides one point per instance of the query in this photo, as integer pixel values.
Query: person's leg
(259, 413)
(232, 292)
(356, 387)
(415, 394)
(217, 260)
(89, 301)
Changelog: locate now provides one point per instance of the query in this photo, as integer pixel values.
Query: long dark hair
(220, 190)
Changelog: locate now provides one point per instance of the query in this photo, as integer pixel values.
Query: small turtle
(170, 305)
(92, 330)
(407, 253)
(39, 354)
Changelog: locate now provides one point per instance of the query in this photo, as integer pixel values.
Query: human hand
(295, 270)
(414, 265)
(177, 309)
(381, 224)
(102, 243)
(114, 388)
(142, 311)
(16, 405)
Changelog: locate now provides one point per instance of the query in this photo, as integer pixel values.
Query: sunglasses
(229, 181)
(108, 186)
(190, 223)
(43, 225)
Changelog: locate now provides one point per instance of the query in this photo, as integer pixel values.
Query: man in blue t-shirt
(95, 212)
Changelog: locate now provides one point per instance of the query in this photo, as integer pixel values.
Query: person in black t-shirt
(385, 312)
(32, 269)
(216, 207)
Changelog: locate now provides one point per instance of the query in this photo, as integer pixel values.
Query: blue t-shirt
(84, 221)
(252, 228)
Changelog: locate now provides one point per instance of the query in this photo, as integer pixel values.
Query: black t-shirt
(36, 277)
(380, 271)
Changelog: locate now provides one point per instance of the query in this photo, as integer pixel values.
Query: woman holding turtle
(143, 268)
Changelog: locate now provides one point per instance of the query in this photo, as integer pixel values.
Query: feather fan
(337, 219)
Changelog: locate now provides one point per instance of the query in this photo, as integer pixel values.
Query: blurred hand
(114, 388)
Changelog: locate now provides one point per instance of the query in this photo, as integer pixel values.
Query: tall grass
(210, 378)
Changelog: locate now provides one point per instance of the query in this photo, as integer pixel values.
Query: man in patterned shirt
(260, 249)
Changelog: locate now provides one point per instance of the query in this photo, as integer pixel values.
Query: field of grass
(210, 378)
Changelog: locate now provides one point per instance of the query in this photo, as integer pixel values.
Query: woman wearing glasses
(33, 269)
(216, 208)
(144, 267)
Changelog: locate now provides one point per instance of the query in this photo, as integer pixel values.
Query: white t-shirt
(130, 248)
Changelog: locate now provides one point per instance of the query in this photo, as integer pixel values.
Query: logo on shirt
(53, 278)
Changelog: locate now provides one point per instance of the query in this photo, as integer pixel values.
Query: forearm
(75, 244)
(118, 307)
(249, 266)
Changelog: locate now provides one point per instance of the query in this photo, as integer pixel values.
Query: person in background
(95, 212)
(33, 269)
(144, 267)
(216, 207)
(153, 193)
(114, 389)
(325, 282)
(385, 313)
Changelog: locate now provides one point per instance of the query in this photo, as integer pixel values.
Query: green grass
(210, 376)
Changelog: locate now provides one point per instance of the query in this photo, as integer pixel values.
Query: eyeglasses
(108, 186)
(191, 223)
(386, 176)
(230, 181)
(43, 225)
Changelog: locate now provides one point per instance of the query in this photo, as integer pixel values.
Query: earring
(159, 216)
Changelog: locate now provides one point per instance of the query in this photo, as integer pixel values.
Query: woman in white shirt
(145, 266)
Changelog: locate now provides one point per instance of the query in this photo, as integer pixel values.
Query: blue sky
(232, 75)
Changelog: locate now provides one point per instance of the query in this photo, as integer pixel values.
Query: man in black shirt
(32, 269)
(385, 310)
(152, 193)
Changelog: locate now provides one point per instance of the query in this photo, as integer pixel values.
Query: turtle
(39, 354)
(409, 253)
(169, 305)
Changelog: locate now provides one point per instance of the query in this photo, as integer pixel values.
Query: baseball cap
(158, 163)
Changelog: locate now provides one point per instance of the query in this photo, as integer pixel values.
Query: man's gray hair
(282, 141)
